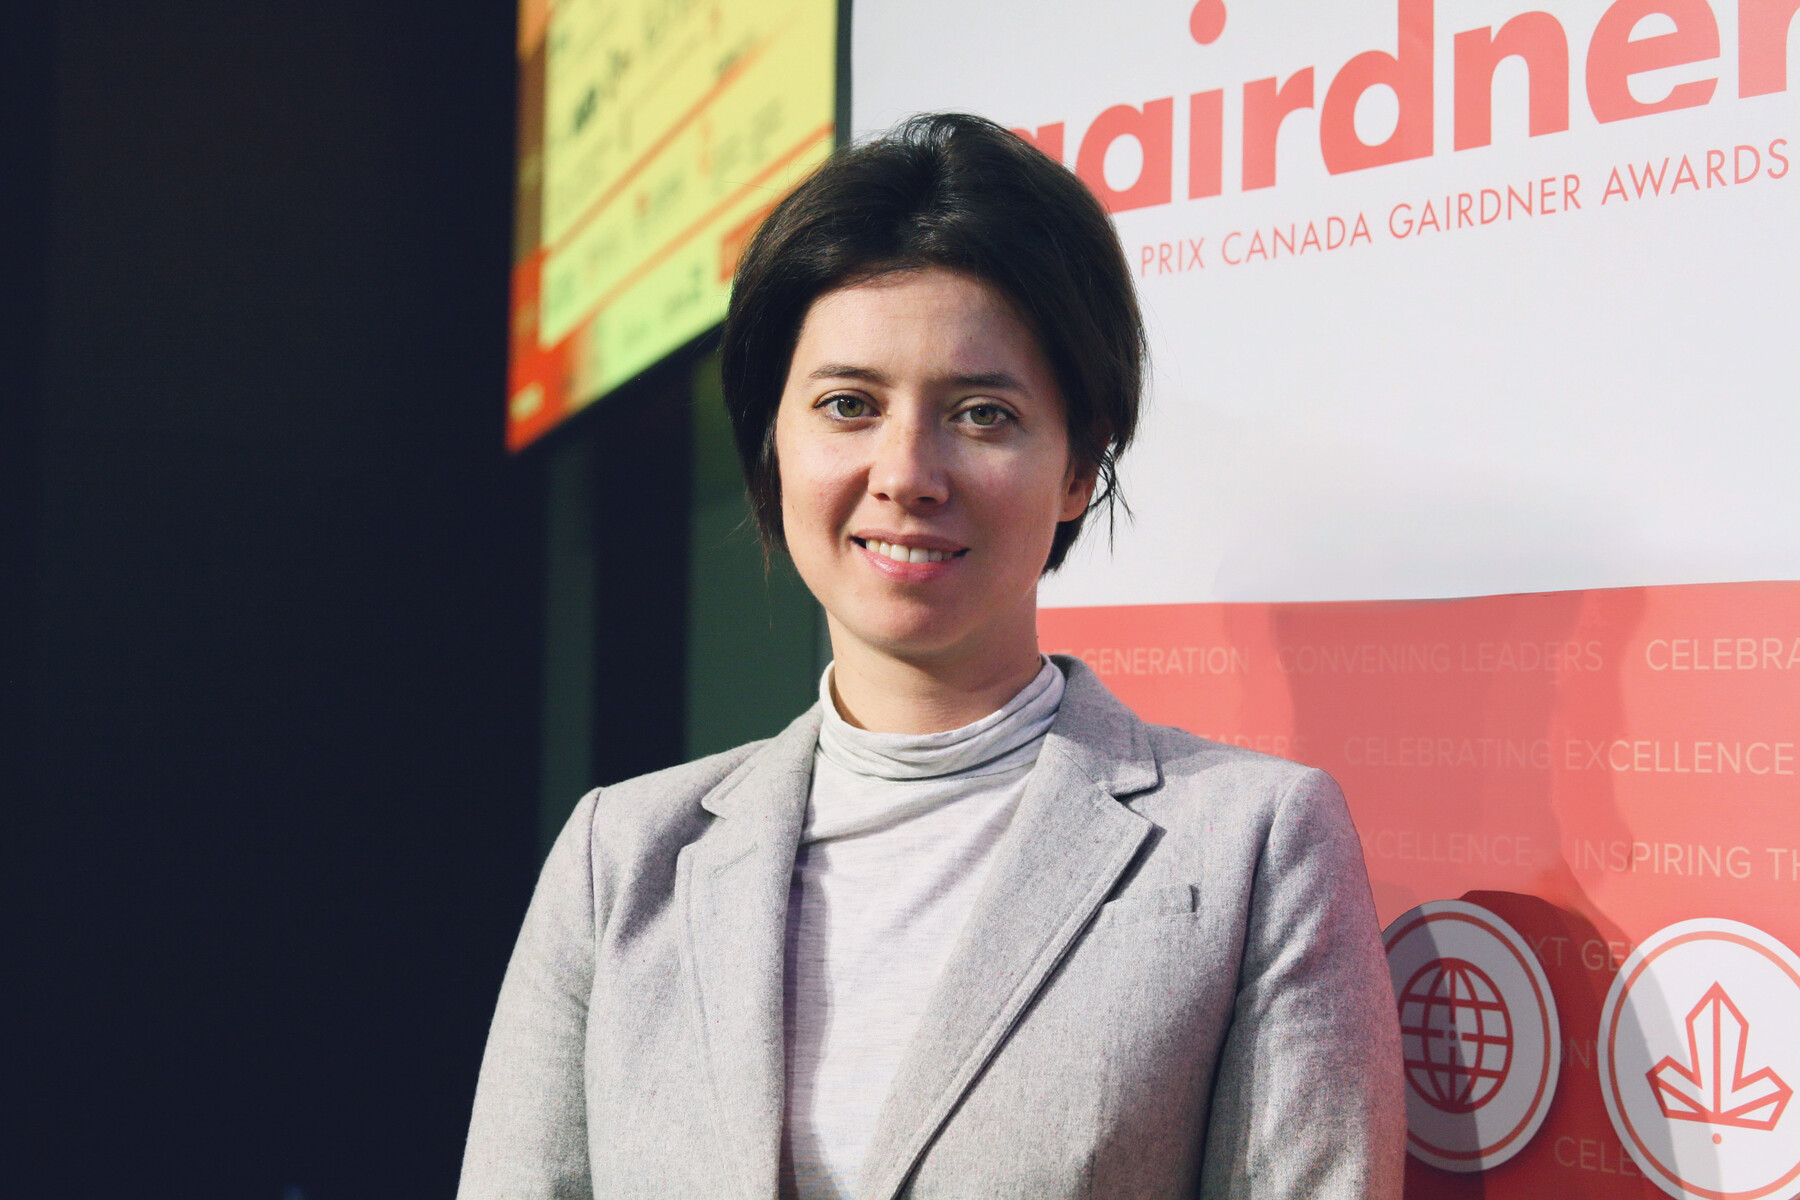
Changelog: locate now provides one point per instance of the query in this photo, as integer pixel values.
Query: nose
(909, 467)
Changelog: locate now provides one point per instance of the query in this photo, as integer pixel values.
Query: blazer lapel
(732, 886)
(1069, 842)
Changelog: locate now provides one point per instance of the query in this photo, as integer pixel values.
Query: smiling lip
(936, 557)
(909, 549)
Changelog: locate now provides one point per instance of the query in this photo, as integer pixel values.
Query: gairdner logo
(1479, 1035)
(1562, 73)
(1700, 1040)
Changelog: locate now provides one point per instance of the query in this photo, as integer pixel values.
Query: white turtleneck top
(900, 831)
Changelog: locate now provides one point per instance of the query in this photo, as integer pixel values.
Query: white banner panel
(1445, 300)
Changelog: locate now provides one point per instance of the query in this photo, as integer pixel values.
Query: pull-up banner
(1469, 474)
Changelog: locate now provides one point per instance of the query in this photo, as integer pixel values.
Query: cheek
(813, 487)
(1027, 499)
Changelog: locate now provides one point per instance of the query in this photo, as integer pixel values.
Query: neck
(884, 694)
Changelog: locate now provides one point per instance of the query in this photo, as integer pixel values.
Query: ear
(1078, 491)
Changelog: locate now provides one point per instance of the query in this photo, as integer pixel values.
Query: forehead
(920, 322)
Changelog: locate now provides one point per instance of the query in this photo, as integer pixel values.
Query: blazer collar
(761, 788)
(1100, 736)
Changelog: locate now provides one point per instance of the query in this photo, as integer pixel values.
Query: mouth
(903, 553)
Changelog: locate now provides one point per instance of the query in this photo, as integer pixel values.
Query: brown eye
(985, 415)
(846, 408)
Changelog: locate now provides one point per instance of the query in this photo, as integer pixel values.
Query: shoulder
(661, 800)
(1183, 782)
(655, 812)
(686, 782)
(1130, 756)
(621, 845)
(1231, 789)
(1197, 766)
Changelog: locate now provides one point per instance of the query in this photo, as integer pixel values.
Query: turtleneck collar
(1001, 741)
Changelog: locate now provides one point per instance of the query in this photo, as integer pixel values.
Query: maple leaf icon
(1700, 1090)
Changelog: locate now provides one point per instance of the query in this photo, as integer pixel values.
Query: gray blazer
(1171, 986)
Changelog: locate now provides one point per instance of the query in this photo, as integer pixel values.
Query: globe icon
(1456, 1035)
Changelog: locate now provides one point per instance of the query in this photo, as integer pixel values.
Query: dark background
(274, 600)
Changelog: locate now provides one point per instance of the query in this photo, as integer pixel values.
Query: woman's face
(924, 462)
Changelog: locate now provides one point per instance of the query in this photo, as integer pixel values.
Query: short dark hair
(959, 192)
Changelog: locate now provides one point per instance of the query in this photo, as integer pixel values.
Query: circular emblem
(1479, 1036)
(1461, 1034)
(1699, 1056)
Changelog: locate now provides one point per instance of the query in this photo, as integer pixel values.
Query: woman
(968, 928)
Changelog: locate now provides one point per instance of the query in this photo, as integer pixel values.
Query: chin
(913, 638)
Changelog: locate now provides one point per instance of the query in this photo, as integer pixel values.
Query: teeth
(906, 554)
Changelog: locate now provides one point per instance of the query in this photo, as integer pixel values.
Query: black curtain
(272, 592)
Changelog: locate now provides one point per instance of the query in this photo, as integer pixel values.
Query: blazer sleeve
(1308, 1100)
(528, 1134)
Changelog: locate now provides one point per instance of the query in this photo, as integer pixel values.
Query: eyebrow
(977, 379)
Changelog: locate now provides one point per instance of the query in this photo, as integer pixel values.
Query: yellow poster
(668, 129)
